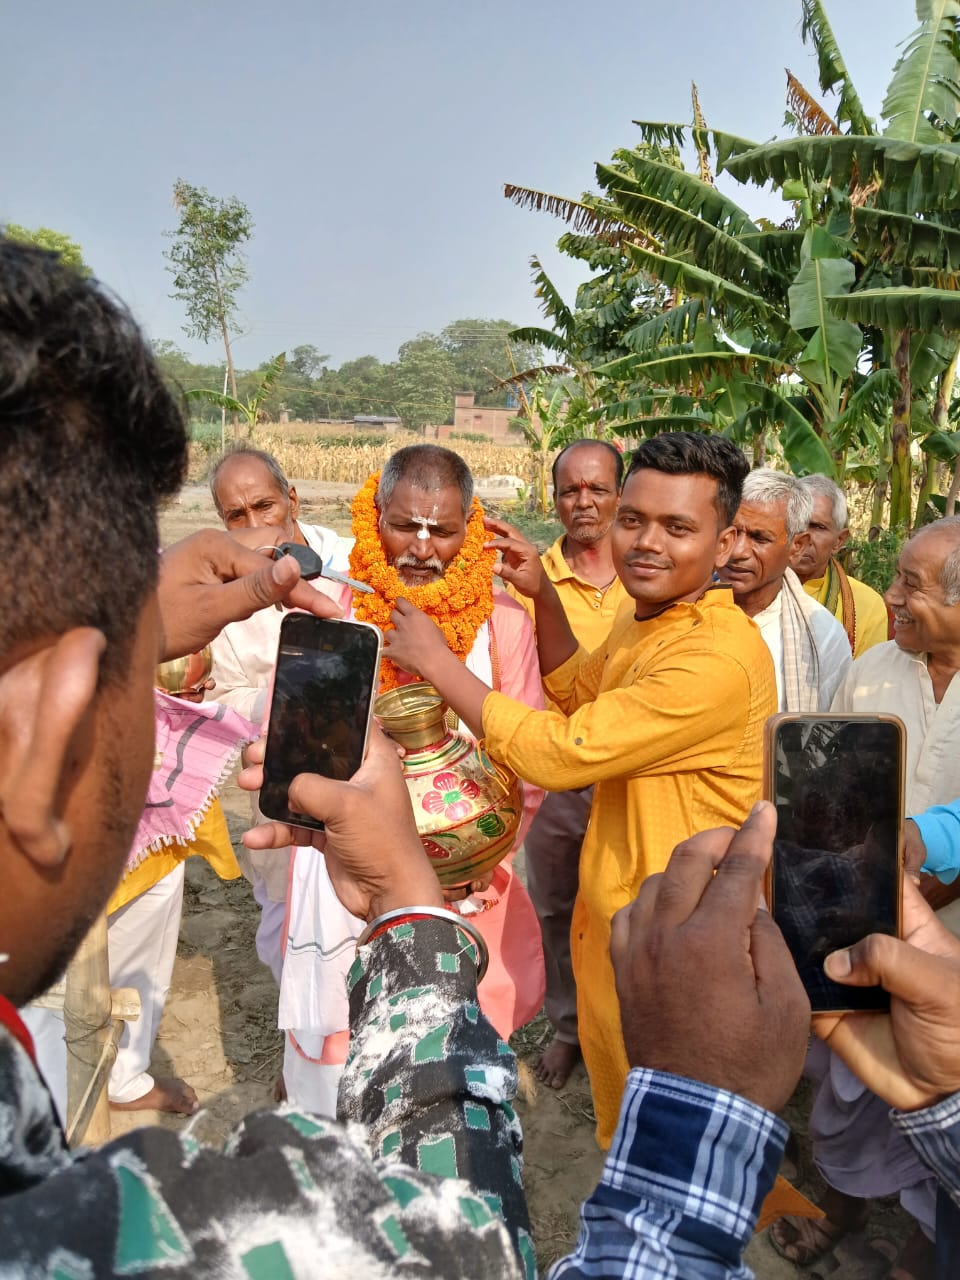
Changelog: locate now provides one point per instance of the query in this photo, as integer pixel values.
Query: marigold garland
(459, 602)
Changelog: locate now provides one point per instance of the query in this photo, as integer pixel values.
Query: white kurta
(833, 648)
(886, 678)
(244, 659)
(245, 653)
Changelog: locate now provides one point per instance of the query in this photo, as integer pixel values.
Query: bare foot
(170, 1094)
(554, 1065)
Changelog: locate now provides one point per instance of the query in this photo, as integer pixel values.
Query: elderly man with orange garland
(419, 536)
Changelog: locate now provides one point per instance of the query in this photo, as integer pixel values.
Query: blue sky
(371, 140)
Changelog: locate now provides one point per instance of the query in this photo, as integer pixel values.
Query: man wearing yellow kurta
(666, 718)
(858, 607)
(587, 476)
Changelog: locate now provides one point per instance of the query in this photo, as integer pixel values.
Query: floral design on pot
(453, 798)
(436, 852)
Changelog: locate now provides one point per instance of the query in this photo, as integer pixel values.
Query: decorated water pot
(466, 806)
(186, 674)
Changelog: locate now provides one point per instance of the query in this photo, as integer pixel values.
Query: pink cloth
(197, 744)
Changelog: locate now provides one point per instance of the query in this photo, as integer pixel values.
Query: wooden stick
(86, 1017)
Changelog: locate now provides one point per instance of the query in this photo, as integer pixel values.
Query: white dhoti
(142, 946)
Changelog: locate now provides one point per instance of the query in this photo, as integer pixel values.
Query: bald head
(251, 492)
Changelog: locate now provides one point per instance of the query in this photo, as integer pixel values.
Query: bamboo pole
(86, 1017)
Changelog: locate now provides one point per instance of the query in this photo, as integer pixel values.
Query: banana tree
(249, 409)
(545, 426)
(839, 328)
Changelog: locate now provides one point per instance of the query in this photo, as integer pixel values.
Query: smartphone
(838, 786)
(326, 680)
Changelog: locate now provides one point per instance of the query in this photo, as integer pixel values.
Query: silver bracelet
(438, 913)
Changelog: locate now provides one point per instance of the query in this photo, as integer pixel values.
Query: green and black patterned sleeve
(292, 1195)
(429, 1078)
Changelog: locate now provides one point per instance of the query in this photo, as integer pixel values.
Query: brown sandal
(804, 1240)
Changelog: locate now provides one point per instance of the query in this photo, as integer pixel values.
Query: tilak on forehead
(425, 523)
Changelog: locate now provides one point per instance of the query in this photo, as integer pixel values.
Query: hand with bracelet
(375, 860)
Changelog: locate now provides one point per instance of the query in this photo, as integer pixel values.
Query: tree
(208, 266)
(247, 409)
(306, 362)
(53, 241)
(424, 381)
(479, 351)
(839, 328)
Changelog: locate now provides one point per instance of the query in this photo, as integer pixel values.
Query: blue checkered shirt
(682, 1185)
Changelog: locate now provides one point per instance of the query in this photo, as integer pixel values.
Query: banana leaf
(662, 134)
(681, 232)
(677, 187)
(913, 178)
(802, 447)
(900, 308)
(688, 366)
(902, 240)
(834, 346)
(831, 66)
(676, 323)
(684, 275)
(925, 79)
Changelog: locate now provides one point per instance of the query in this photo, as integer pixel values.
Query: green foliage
(249, 409)
(542, 530)
(53, 241)
(205, 258)
(833, 339)
(472, 437)
(207, 435)
(378, 440)
(875, 562)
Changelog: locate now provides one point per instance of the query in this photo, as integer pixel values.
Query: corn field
(306, 458)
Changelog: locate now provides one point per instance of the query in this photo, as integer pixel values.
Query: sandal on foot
(804, 1240)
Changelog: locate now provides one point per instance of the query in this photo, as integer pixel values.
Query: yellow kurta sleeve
(687, 713)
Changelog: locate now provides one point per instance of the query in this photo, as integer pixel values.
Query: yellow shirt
(590, 609)
(211, 841)
(666, 719)
(872, 621)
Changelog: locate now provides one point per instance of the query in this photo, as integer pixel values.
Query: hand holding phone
(837, 783)
(375, 865)
(326, 678)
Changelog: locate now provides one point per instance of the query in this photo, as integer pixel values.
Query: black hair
(426, 466)
(597, 444)
(690, 453)
(91, 440)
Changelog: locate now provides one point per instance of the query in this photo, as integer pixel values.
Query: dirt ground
(219, 1026)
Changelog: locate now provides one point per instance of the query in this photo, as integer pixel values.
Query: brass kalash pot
(466, 806)
(186, 674)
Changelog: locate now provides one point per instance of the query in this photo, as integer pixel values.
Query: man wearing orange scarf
(419, 536)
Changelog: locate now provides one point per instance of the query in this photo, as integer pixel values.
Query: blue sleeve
(934, 1133)
(683, 1183)
(940, 831)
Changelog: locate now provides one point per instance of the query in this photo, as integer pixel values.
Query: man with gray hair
(858, 608)
(251, 491)
(808, 645)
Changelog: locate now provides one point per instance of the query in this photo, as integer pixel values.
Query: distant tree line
(418, 387)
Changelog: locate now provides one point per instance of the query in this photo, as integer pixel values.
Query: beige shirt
(888, 679)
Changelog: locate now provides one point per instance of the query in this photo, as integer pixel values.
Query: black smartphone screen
(326, 678)
(836, 866)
